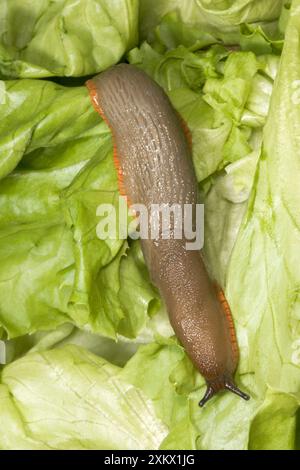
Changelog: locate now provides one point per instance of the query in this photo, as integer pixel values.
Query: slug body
(154, 165)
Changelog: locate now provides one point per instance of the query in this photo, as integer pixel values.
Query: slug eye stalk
(210, 392)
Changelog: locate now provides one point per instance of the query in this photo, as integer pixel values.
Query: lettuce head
(89, 359)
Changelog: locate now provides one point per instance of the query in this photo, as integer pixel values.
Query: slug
(154, 163)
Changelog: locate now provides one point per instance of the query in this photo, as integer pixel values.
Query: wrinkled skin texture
(155, 167)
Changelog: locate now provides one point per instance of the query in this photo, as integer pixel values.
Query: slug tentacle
(208, 395)
(214, 388)
(234, 389)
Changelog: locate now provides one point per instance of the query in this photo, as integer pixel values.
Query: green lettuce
(264, 252)
(262, 277)
(86, 326)
(71, 399)
(190, 21)
(223, 97)
(57, 167)
(43, 38)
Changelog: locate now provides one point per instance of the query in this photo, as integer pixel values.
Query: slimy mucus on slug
(153, 160)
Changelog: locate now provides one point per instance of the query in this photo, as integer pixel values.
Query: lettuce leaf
(43, 38)
(223, 96)
(262, 280)
(71, 399)
(263, 264)
(56, 166)
(245, 152)
(200, 18)
(156, 389)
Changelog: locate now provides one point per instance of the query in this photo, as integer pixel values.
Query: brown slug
(154, 164)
